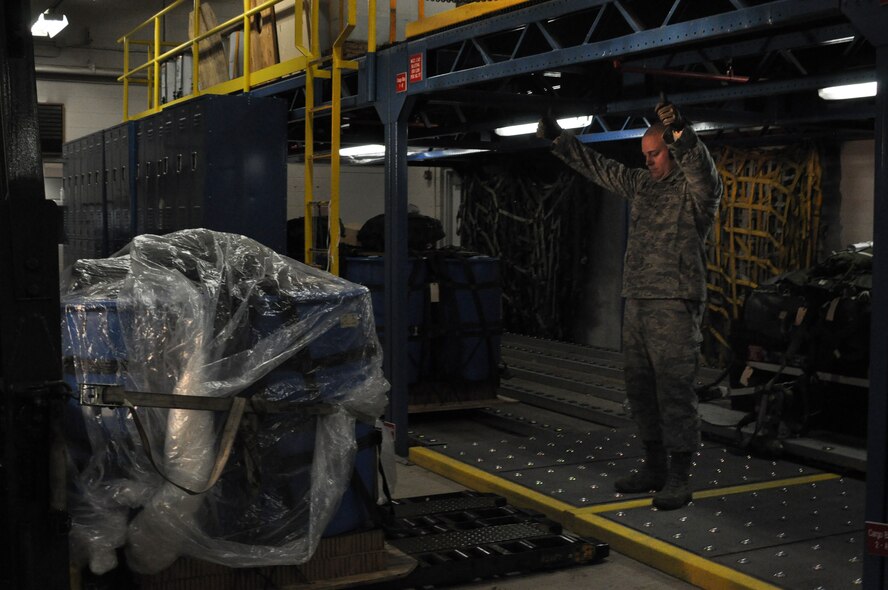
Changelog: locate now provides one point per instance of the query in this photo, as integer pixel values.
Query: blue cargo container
(470, 317)
(236, 508)
(370, 272)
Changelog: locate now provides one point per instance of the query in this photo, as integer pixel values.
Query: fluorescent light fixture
(862, 90)
(511, 130)
(369, 153)
(838, 40)
(363, 151)
(442, 153)
(525, 128)
(49, 24)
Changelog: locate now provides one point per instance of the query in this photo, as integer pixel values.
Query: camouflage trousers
(661, 344)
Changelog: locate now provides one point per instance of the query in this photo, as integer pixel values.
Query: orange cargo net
(768, 224)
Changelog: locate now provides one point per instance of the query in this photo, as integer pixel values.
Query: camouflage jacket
(669, 219)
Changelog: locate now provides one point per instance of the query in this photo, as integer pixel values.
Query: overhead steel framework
(488, 73)
(605, 58)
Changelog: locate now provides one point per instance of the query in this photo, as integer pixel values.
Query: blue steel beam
(760, 46)
(393, 108)
(752, 90)
(754, 19)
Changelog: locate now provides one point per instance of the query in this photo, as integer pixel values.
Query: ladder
(325, 255)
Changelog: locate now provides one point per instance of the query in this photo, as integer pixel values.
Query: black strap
(229, 433)
(374, 511)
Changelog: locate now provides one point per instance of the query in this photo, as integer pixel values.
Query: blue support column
(875, 576)
(393, 109)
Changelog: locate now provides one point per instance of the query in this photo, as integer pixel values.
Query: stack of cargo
(204, 315)
(454, 322)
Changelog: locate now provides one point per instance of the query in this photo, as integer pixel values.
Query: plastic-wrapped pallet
(201, 313)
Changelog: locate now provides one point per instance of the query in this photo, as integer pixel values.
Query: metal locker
(166, 189)
(118, 200)
(180, 155)
(148, 172)
(197, 133)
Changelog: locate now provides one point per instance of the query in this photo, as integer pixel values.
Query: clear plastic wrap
(211, 314)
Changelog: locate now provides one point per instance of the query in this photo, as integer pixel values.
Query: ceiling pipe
(680, 74)
(76, 73)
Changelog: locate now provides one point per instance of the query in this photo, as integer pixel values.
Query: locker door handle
(178, 163)
(193, 161)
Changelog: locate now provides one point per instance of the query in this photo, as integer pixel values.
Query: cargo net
(768, 224)
(532, 222)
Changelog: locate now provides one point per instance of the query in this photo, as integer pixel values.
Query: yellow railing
(147, 37)
(308, 60)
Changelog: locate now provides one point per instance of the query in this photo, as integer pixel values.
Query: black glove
(669, 116)
(548, 128)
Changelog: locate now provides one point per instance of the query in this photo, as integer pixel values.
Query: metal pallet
(463, 536)
(795, 537)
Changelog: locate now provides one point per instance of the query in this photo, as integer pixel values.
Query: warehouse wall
(857, 189)
(599, 320)
(88, 107)
(362, 189)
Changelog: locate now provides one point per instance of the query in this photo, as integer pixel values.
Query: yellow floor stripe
(586, 521)
(663, 556)
(765, 485)
(481, 481)
(741, 489)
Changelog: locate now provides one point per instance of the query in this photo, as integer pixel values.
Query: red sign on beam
(416, 67)
(401, 82)
(877, 532)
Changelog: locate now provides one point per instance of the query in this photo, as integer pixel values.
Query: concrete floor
(617, 571)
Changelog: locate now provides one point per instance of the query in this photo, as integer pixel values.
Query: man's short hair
(657, 129)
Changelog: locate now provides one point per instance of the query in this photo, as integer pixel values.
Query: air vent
(50, 121)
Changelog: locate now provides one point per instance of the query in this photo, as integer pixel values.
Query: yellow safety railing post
(371, 26)
(195, 49)
(126, 80)
(315, 29)
(299, 22)
(155, 88)
(309, 162)
(247, 51)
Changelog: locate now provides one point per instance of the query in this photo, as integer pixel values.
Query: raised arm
(693, 159)
(607, 173)
(699, 169)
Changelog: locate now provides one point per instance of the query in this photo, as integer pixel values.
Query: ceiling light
(442, 153)
(838, 40)
(363, 151)
(49, 24)
(511, 130)
(862, 90)
(525, 128)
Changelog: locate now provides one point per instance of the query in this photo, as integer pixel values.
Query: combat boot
(652, 476)
(677, 492)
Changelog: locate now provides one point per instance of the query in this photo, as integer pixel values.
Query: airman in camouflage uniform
(672, 207)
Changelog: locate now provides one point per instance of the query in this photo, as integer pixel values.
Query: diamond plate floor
(782, 523)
